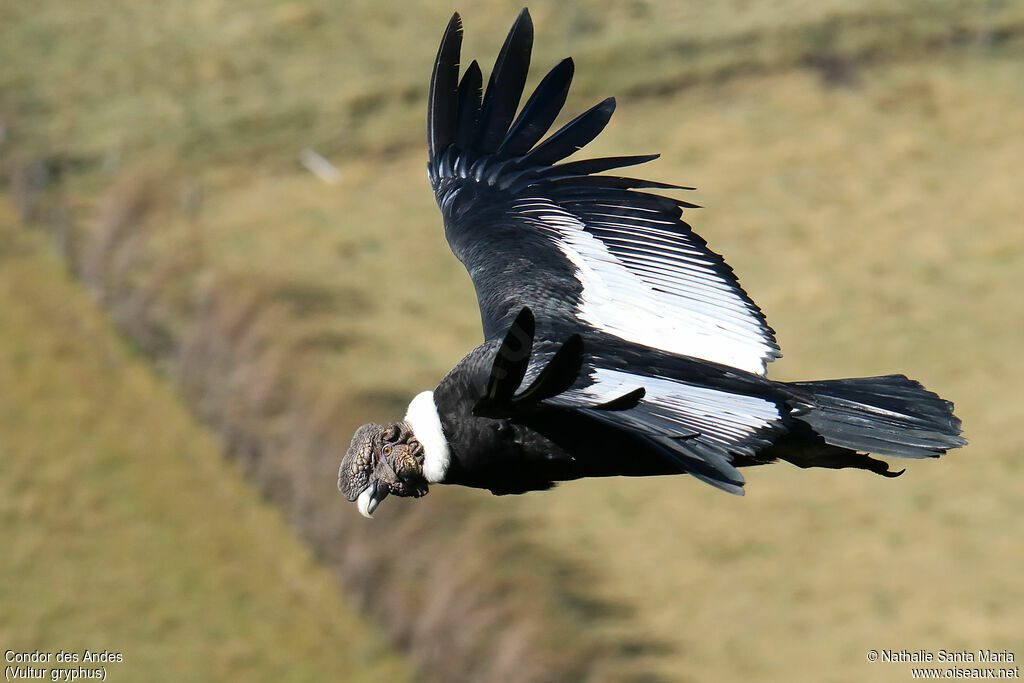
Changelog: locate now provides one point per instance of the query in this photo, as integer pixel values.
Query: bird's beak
(370, 498)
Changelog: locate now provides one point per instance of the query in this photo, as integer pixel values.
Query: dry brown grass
(246, 351)
(123, 528)
(879, 229)
(873, 216)
(840, 210)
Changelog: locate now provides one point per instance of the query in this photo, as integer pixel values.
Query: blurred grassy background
(123, 528)
(860, 163)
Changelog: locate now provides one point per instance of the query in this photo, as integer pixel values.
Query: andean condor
(616, 341)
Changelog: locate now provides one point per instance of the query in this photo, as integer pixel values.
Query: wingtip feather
(573, 136)
(444, 83)
(506, 83)
(540, 111)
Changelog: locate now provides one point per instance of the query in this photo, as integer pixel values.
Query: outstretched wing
(585, 251)
(696, 416)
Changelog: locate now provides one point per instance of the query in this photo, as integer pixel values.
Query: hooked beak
(370, 498)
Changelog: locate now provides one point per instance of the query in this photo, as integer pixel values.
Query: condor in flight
(616, 341)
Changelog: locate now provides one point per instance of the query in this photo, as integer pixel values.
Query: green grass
(877, 225)
(123, 528)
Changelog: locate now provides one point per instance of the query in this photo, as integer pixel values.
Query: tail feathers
(889, 415)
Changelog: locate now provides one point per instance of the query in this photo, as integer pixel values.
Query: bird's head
(382, 460)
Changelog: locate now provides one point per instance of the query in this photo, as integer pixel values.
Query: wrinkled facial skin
(381, 461)
(358, 464)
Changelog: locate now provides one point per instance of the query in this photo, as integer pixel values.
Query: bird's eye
(386, 450)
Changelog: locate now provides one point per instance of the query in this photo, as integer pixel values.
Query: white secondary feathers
(719, 416)
(644, 283)
(425, 421)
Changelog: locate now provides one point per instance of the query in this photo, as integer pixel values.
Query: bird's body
(616, 341)
(528, 452)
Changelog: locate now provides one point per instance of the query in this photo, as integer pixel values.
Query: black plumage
(616, 341)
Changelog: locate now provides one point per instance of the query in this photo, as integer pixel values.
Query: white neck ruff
(425, 422)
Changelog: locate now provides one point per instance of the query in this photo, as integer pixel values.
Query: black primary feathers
(441, 114)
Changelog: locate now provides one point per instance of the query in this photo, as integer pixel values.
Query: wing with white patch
(583, 250)
(703, 429)
(703, 418)
(644, 281)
